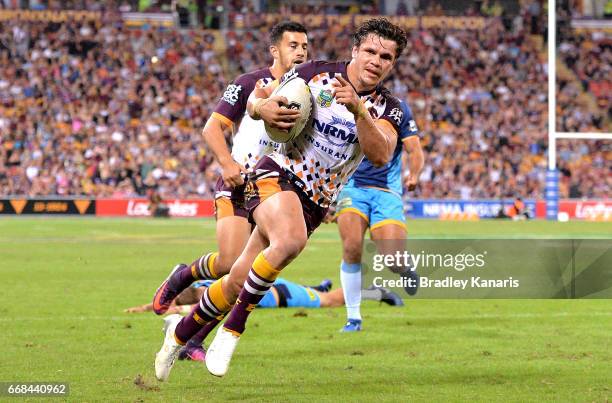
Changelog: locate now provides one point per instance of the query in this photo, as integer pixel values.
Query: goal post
(552, 174)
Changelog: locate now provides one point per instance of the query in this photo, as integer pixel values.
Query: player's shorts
(268, 179)
(290, 295)
(229, 201)
(378, 207)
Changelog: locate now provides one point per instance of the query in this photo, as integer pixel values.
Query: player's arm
(376, 137)
(228, 111)
(149, 308)
(179, 309)
(215, 139)
(416, 161)
(140, 308)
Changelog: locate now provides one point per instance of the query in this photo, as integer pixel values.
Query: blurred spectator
(589, 57)
(585, 167)
(407, 7)
(157, 207)
(518, 210)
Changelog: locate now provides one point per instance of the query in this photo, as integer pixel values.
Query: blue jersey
(293, 295)
(268, 300)
(388, 176)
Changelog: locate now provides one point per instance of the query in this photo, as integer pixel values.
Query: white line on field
(130, 317)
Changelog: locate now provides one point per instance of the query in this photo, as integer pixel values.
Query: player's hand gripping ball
(297, 93)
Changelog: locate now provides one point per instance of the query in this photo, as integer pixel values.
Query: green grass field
(66, 282)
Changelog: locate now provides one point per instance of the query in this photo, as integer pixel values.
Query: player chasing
(290, 190)
(288, 47)
(283, 294)
(372, 199)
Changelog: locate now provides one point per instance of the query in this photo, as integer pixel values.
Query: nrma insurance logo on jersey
(334, 134)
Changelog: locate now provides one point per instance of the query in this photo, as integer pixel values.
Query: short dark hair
(276, 34)
(383, 28)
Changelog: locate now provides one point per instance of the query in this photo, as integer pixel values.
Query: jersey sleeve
(408, 126)
(230, 109)
(393, 113)
(307, 71)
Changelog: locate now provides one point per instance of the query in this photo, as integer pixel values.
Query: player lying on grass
(283, 294)
(288, 195)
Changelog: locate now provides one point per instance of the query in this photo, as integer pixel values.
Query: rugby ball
(298, 96)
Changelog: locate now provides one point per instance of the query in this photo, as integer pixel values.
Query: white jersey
(250, 142)
(326, 153)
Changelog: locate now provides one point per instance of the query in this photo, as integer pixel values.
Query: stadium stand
(586, 88)
(583, 105)
(99, 109)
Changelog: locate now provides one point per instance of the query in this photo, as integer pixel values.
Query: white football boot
(220, 351)
(164, 359)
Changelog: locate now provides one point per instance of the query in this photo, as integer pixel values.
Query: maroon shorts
(268, 179)
(229, 201)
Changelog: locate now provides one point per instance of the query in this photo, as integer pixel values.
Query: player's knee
(289, 248)
(352, 250)
(294, 247)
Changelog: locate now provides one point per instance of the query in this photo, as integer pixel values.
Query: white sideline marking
(129, 317)
(502, 316)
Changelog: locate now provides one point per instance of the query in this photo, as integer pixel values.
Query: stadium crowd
(588, 55)
(585, 165)
(98, 109)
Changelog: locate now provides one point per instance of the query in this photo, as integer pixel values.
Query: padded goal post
(552, 175)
